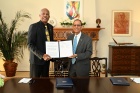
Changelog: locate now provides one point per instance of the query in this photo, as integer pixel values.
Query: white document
(59, 49)
(52, 49)
(137, 80)
(24, 80)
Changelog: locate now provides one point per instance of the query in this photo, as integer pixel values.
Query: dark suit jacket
(36, 41)
(84, 52)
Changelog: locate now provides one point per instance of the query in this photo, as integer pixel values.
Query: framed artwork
(73, 9)
(121, 23)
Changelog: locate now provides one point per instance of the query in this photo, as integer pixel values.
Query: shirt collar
(78, 35)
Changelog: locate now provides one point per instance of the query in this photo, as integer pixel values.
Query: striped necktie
(74, 48)
(47, 33)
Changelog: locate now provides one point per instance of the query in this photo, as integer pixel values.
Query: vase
(10, 68)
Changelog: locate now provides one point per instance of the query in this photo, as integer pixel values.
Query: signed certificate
(59, 49)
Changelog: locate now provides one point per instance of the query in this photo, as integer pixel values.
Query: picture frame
(121, 23)
(73, 9)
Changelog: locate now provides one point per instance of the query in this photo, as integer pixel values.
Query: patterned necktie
(47, 33)
(74, 48)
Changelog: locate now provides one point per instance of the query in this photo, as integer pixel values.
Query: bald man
(39, 60)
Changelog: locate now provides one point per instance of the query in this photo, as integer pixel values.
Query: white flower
(68, 22)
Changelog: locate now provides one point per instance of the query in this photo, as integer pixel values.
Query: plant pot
(10, 68)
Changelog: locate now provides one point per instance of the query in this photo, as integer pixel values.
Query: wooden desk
(133, 88)
(81, 85)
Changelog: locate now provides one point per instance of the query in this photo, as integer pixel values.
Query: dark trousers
(39, 70)
(75, 72)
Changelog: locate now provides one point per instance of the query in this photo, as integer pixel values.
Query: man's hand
(73, 56)
(46, 57)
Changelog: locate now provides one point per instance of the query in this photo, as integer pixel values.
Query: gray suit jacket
(84, 52)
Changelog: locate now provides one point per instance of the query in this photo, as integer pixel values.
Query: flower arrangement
(83, 23)
(68, 23)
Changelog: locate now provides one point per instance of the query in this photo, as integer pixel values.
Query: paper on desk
(137, 80)
(24, 80)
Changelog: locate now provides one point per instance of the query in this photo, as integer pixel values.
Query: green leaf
(12, 42)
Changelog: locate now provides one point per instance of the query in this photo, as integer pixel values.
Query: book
(120, 43)
(119, 81)
(59, 49)
(64, 82)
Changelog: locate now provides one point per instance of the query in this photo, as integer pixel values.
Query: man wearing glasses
(82, 51)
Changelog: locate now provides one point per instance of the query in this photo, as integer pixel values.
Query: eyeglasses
(77, 25)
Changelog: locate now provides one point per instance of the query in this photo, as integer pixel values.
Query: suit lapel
(42, 30)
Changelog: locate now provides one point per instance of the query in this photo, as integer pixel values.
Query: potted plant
(12, 42)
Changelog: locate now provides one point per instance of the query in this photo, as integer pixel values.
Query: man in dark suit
(80, 63)
(39, 60)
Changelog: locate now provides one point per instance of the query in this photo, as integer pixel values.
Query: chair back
(61, 67)
(96, 63)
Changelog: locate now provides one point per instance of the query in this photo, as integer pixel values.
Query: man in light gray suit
(80, 63)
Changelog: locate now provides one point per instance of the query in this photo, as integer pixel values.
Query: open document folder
(59, 49)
